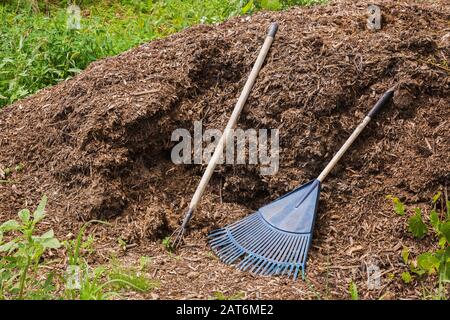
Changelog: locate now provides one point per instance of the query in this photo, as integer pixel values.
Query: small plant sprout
(353, 291)
(399, 207)
(218, 295)
(166, 242)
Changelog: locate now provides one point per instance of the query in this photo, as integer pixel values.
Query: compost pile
(99, 145)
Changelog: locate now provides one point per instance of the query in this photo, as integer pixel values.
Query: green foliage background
(38, 50)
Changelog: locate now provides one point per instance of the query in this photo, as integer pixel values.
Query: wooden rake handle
(387, 96)
(232, 121)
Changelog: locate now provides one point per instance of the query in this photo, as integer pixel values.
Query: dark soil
(99, 145)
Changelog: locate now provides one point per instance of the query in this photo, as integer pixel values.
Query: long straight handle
(387, 96)
(234, 116)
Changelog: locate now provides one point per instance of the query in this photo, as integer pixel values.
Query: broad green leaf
(406, 277)
(40, 210)
(445, 230)
(48, 234)
(24, 215)
(405, 254)
(428, 262)
(7, 247)
(434, 220)
(416, 225)
(51, 243)
(9, 225)
(442, 242)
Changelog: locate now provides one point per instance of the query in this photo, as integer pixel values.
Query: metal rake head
(177, 236)
(254, 245)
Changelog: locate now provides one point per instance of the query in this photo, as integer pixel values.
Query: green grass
(38, 50)
(28, 272)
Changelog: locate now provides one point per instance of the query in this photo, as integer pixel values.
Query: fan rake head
(256, 246)
(274, 240)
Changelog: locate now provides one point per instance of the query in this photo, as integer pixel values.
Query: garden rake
(275, 239)
(177, 236)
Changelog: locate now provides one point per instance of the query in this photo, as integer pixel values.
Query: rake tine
(266, 240)
(247, 220)
(300, 255)
(254, 229)
(242, 229)
(267, 246)
(304, 250)
(263, 266)
(279, 239)
(215, 233)
(220, 241)
(243, 241)
(271, 271)
(262, 247)
(229, 251)
(177, 235)
(293, 253)
(297, 268)
(286, 253)
(267, 267)
(217, 243)
(234, 256)
(261, 241)
(249, 262)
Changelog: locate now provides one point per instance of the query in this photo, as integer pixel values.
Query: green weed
(434, 262)
(20, 258)
(24, 271)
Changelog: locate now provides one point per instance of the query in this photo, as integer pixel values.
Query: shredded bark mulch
(99, 145)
